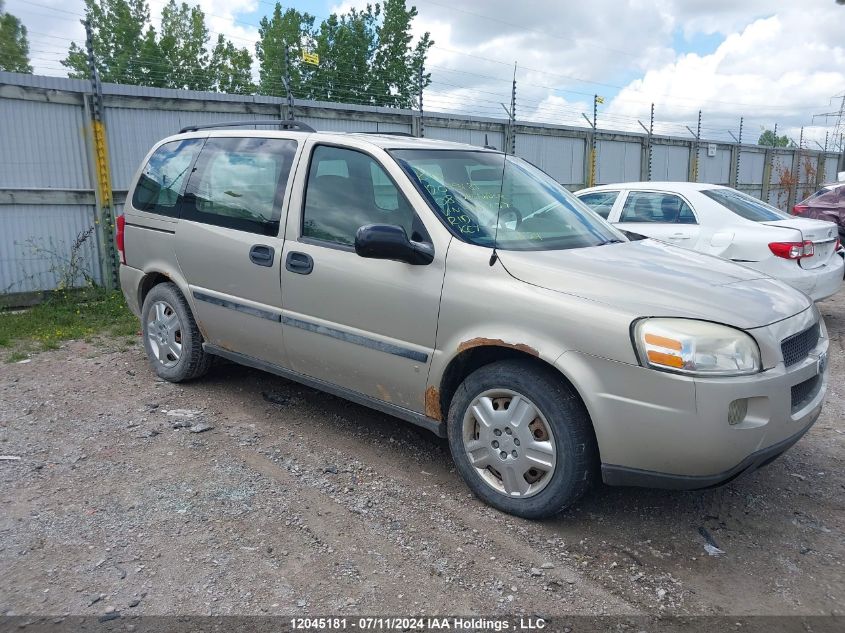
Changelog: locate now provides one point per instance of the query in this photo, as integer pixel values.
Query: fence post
(647, 153)
(590, 150)
(650, 143)
(417, 125)
(692, 174)
(512, 126)
(736, 156)
(733, 176)
(645, 171)
(768, 157)
(792, 194)
(590, 158)
(821, 166)
(841, 161)
(694, 151)
(104, 202)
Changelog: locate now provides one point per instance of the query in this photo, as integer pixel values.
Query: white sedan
(730, 224)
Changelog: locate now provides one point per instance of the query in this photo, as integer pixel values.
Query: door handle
(299, 263)
(261, 255)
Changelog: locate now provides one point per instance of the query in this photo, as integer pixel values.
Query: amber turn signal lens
(669, 360)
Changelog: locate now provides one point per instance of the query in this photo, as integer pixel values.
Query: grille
(805, 391)
(797, 347)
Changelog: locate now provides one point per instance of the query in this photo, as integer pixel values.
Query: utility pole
(839, 123)
(839, 129)
(104, 212)
(420, 85)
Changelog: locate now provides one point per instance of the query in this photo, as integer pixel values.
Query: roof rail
(391, 134)
(284, 124)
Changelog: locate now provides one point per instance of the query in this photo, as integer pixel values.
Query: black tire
(572, 432)
(193, 361)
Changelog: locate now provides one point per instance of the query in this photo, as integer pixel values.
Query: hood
(650, 278)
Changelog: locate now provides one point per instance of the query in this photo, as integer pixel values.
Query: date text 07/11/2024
(416, 624)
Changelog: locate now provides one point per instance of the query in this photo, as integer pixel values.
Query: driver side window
(347, 189)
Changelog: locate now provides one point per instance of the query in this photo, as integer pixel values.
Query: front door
(364, 324)
(228, 242)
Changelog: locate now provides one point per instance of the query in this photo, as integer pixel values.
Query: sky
(769, 62)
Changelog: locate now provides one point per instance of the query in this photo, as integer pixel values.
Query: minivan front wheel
(521, 439)
(172, 339)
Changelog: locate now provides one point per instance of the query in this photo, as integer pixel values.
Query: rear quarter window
(162, 180)
(745, 206)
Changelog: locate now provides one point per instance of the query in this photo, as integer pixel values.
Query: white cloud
(782, 68)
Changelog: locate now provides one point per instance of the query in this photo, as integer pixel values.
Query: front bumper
(660, 429)
(623, 476)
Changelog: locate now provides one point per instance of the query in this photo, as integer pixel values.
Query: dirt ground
(296, 502)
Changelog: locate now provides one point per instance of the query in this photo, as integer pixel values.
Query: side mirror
(385, 241)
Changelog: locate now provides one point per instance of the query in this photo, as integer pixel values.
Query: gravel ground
(246, 494)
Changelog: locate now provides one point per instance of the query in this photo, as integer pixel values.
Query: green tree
(14, 46)
(396, 64)
(231, 68)
(366, 55)
(283, 29)
(346, 45)
(183, 41)
(128, 50)
(118, 27)
(120, 33)
(152, 65)
(769, 139)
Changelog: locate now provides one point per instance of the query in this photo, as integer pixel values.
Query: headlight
(686, 346)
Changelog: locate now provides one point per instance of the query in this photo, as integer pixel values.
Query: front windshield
(530, 209)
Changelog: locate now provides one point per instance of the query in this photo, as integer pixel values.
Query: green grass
(63, 317)
(14, 357)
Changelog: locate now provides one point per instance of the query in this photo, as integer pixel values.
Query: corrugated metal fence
(48, 184)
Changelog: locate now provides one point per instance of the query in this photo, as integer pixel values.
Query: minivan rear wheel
(171, 337)
(521, 439)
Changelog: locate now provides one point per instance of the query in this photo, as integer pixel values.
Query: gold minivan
(466, 291)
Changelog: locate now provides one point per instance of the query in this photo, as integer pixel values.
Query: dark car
(828, 203)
